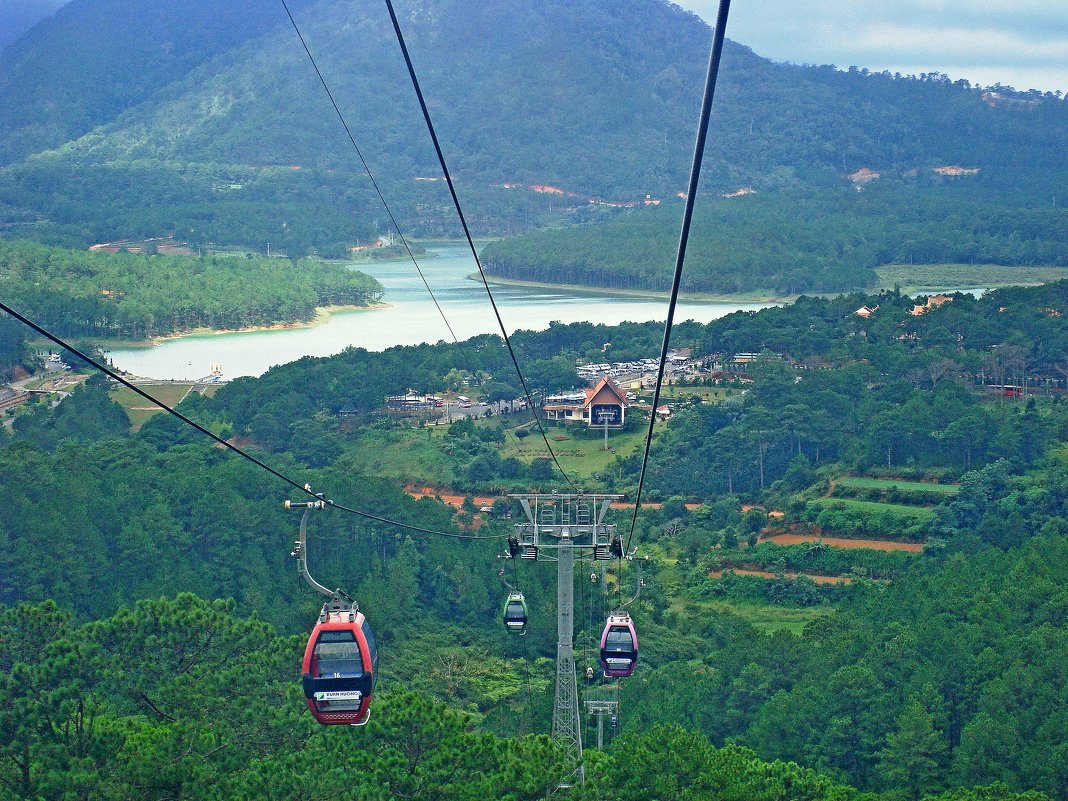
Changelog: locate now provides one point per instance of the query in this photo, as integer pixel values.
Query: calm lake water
(410, 319)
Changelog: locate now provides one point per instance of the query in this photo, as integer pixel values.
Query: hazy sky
(1022, 43)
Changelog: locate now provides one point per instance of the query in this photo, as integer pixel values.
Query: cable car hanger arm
(300, 549)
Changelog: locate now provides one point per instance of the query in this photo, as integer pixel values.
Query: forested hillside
(788, 243)
(850, 580)
(911, 672)
(108, 295)
(94, 59)
(231, 139)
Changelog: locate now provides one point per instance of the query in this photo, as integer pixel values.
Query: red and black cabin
(339, 668)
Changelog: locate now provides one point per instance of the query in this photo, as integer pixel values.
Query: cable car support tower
(563, 528)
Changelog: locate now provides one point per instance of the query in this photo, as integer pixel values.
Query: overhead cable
(302, 487)
(374, 183)
(385, 204)
(684, 236)
(467, 234)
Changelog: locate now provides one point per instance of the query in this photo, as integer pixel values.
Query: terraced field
(908, 514)
(861, 482)
(845, 543)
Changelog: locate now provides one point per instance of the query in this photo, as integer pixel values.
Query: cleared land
(406, 454)
(844, 542)
(456, 501)
(584, 456)
(767, 618)
(139, 410)
(745, 571)
(861, 482)
(911, 514)
(938, 277)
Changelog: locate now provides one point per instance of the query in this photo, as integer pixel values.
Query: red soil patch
(773, 513)
(845, 543)
(744, 571)
(452, 500)
(652, 505)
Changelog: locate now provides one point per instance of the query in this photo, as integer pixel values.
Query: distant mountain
(18, 16)
(197, 107)
(94, 59)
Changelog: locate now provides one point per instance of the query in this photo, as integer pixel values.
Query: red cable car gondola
(341, 659)
(339, 667)
(619, 645)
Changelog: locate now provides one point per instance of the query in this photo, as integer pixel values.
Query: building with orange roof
(597, 406)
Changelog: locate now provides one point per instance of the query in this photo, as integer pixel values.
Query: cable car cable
(684, 236)
(301, 487)
(374, 182)
(386, 206)
(467, 234)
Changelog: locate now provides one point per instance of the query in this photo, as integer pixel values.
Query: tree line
(101, 295)
(788, 243)
(947, 677)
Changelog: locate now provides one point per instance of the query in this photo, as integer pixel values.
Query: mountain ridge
(577, 95)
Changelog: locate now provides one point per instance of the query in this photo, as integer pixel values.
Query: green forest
(788, 243)
(931, 672)
(850, 579)
(138, 296)
(226, 136)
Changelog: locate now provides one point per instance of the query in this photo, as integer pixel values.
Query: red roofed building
(596, 406)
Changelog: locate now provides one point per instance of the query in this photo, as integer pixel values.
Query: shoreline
(322, 316)
(920, 285)
(697, 297)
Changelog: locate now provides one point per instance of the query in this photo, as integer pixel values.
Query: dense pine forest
(137, 296)
(904, 674)
(851, 575)
(178, 122)
(788, 243)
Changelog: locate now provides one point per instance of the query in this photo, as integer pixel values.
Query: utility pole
(567, 525)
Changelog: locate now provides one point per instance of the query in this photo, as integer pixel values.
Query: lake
(410, 319)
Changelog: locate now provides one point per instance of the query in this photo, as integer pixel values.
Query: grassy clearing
(764, 617)
(930, 277)
(583, 457)
(903, 486)
(139, 410)
(1058, 454)
(910, 514)
(406, 454)
(671, 393)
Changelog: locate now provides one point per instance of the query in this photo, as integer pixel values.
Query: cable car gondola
(515, 613)
(339, 667)
(619, 645)
(341, 659)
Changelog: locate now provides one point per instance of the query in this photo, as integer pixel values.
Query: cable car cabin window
(372, 648)
(337, 654)
(515, 611)
(618, 640)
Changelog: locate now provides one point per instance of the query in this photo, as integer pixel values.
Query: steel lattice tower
(573, 527)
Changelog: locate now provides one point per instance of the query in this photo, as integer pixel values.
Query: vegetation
(788, 243)
(225, 135)
(123, 295)
(150, 621)
(909, 488)
(926, 674)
